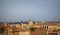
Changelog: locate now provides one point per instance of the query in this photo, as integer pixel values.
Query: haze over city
(23, 10)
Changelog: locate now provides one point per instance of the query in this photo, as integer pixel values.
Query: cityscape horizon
(39, 10)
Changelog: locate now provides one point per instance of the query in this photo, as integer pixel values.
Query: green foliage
(33, 29)
(2, 30)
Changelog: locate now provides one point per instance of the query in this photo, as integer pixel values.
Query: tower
(22, 25)
(30, 22)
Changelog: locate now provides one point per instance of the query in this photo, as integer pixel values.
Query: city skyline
(38, 10)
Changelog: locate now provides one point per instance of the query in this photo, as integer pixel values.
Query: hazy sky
(22, 10)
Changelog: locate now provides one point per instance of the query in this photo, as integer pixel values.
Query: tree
(2, 29)
(33, 29)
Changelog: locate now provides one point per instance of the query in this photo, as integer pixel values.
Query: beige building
(43, 28)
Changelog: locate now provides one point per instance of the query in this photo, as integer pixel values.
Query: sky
(23, 10)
